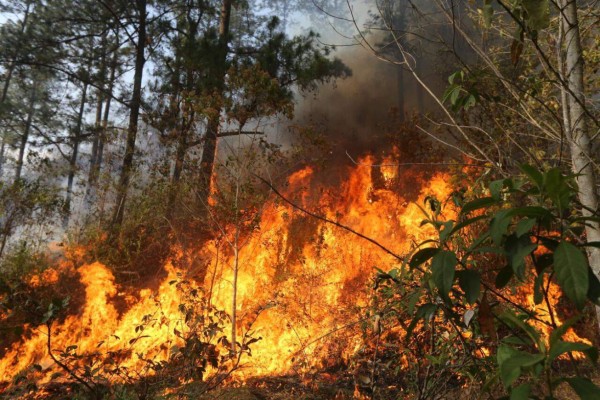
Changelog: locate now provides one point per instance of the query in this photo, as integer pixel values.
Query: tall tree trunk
(135, 104)
(13, 63)
(10, 70)
(76, 140)
(577, 129)
(26, 131)
(95, 141)
(104, 98)
(105, 117)
(2, 150)
(209, 150)
(98, 121)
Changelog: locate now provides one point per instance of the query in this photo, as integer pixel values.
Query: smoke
(356, 114)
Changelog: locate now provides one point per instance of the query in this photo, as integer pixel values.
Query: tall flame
(300, 283)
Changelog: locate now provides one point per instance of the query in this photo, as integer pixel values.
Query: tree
(7, 33)
(209, 51)
(109, 62)
(297, 62)
(141, 19)
(576, 126)
(552, 45)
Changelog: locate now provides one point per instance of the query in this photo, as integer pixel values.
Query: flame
(300, 283)
(546, 318)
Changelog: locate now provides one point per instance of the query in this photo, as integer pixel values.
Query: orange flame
(300, 283)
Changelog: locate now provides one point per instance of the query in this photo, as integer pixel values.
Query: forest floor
(322, 387)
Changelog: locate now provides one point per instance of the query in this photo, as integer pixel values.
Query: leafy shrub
(524, 236)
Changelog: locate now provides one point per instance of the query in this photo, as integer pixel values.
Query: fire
(546, 317)
(301, 286)
(301, 282)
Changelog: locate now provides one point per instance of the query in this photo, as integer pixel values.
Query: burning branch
(327, 220)
(385, 249)
(61, 364)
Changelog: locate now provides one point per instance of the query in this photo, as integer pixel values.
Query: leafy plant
(530, 227)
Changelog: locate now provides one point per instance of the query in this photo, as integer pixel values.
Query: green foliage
(22, 261)
(529, 226)
(458, 94)
(23, 204)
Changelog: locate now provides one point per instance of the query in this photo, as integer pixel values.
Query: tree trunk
(209, 150)
(2, 150)
(180, 153)
(104, 98)
(98, 121)
(26, 131)
(577, 130)
(95, 140)
(9, 74)
(74, 154)
(136, 100)
(102, 137)
(13, 63)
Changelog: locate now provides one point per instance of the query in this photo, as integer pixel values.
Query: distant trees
(191, 71)
(518, 92)
(214, 79)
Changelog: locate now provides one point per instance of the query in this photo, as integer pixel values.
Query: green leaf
(424, 312)
(584, 388)
(521, 392)
(512, 320)
(496, 189)
(534, 175)
(445, 233)
(560, 347)
(466, 223)
(524, 226)
(592, 355)
(505, 352)
(510, 369)
(540, 213)
(470, 282)
(470, 101)
(558, 333)
(517, 249)
(538, 13)
(593, 293)
(476, 204)
(454, 75)
(557, 188)
(499, 226)
(443, 269)
(571, 268)
(504, 277)
(454, 94)
(478, 241)
(422, 256)
(515, 340)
